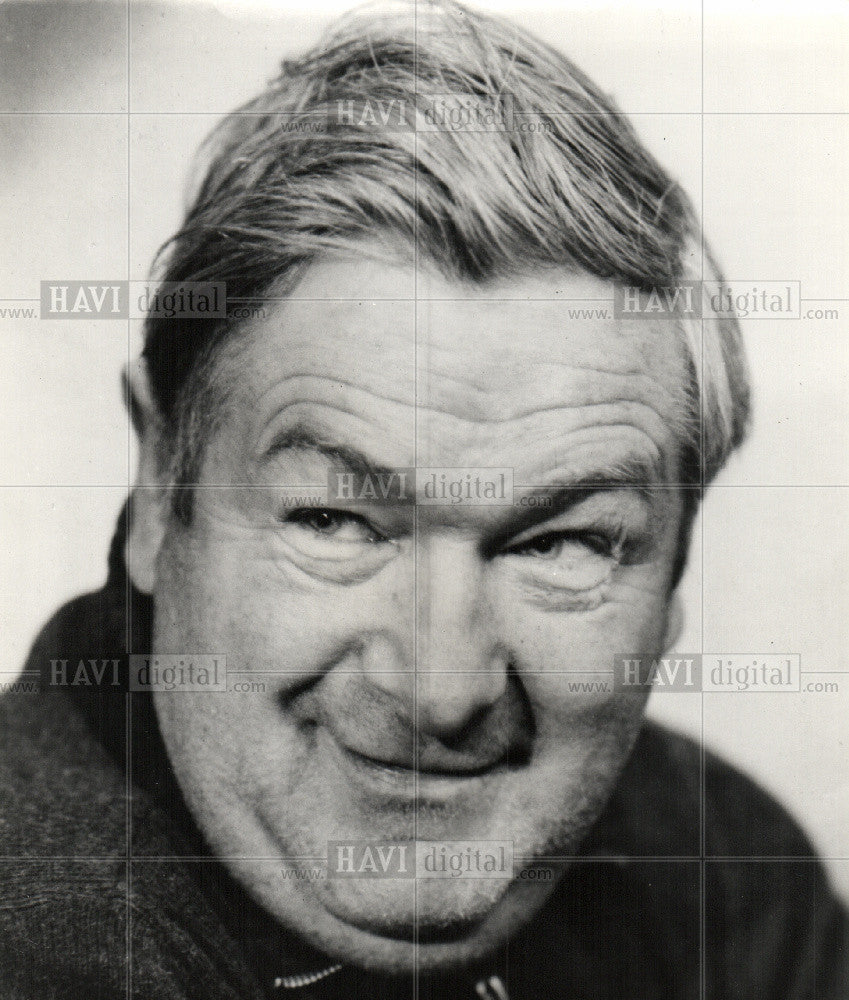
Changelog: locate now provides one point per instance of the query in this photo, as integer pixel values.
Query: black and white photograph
(424, 500)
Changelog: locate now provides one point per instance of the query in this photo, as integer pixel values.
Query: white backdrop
(745, 105)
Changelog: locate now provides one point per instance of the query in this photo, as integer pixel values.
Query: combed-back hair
(287, 178)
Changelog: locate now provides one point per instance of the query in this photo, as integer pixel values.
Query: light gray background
(746, 105)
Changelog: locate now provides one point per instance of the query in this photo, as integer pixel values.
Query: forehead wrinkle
(642, 459)
(462, 435)
(473, 450)
(551, 420)
(494, 364)
(342, 394)
(467, 405)
(594, 447)
(609, 412)
(345, 384)
(485, 403)
(621, 363)
(323, 419)
(450, 381)
(594, 396)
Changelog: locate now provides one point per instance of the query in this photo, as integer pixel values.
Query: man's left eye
(574, 562)
(557, 544)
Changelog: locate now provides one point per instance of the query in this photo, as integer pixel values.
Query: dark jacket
(108, 891)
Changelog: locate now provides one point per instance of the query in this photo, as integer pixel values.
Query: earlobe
(674, 622)
(148, 502)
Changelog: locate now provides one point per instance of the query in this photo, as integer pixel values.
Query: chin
(438, 910)
(409, 947)
(428, 926)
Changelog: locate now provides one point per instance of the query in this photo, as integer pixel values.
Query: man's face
(432, 672)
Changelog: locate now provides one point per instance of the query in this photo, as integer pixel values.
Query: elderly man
(427, 207)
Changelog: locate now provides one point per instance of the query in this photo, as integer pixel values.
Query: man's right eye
(336, 545)
(340, 525)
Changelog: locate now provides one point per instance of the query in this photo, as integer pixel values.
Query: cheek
(274, 624)
(227, 593)
(631, 618)
(565, 659)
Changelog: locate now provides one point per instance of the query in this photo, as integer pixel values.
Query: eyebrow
(634, 471)
(304, 438)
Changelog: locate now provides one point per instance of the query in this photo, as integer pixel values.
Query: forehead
(422, 362)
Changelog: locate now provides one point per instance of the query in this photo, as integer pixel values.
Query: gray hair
(579, 193)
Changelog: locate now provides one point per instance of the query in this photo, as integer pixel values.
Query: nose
(455, 668)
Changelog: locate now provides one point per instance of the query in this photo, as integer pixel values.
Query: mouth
(426, 771)
(429, 778)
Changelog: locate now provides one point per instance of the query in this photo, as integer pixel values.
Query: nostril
(457, 739)
(520, 756)
(502, 732)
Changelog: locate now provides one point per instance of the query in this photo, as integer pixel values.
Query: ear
(674, 622)
(149, 500)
